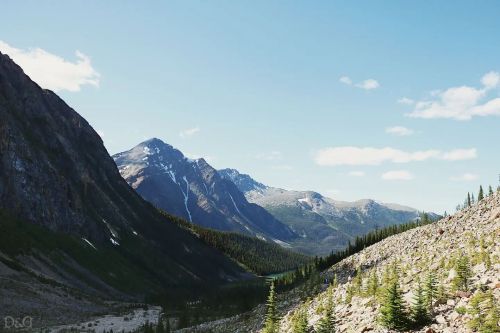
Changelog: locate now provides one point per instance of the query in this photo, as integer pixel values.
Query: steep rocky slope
(473, 233)
(324, 224)
(68, 219)
(436, 248)
(193, 190)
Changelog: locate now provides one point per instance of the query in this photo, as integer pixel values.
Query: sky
(395, 101)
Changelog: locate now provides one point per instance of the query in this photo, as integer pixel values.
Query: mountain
(324, 224)
(193, 190)
(461, 253)
(69, 221)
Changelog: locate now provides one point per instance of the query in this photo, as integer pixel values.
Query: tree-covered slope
(259, 256)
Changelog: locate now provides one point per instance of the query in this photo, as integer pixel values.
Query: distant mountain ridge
(192, 189)
(324, 224)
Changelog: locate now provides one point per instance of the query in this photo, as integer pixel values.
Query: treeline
(471, 199)
(361, 242)
(310, 271)
(261, 257)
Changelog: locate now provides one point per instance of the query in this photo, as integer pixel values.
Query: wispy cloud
(356, 173)
(397, 175)
(51, 71)
(187, 133)
(368, 84)
(466, 177)
(461, 103)
(460, 154)
(399, 131)
(270, 156)
(334, 156)
(346, 80)
(406, 101)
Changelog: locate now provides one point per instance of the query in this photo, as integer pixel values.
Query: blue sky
(396, 101)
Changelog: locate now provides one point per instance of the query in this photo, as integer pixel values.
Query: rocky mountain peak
(194, 190)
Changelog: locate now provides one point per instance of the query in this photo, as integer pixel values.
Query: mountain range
(195, 191)
(227, 200)
(324, 224)
(69, 221)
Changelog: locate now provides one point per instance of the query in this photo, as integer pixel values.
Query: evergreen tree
(485, 312)
(472, 199)
(480, 195)
(462, 268)
(299, 322)
(430, 291)
(490, 190)
(327, 322)
(469, 201)
(372, 287)
(392, 312)
(271, 323)
(358, 281)
(420, 315)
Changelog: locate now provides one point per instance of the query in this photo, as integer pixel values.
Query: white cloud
(356, 173)
(490, 80)
(461, 103)
(334, 156)
(397, 175)
(406, 101)
(270, 156)
(346, 80)
(187, 133)
(460, 154)
(51, 71)
(399, 131)
(369, 84)
(466, 177)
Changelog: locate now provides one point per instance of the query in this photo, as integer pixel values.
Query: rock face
(195, 191)
(472, 233)
(56, 174)
(324, 224)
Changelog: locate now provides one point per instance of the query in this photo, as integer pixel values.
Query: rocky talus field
(470, 237)
(467, 242)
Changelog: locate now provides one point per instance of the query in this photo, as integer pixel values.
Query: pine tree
(327, 322)
(358, 281)
(462, 268)
(490, 190)
(299, 322)
(372, 287)
(485, 312)
(469, 201)
(392, 312)
(420, 315)
(480, 195)
(430, 291)
(271, 323)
